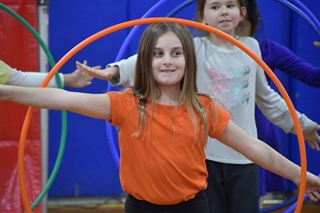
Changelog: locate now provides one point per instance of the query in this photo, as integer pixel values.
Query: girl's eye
(214, 7)
(157, 53)
(176, 53)
(231, 5)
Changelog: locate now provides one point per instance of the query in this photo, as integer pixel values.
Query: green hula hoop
(64, 113)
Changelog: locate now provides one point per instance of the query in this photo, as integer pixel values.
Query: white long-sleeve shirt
(11, 76)
(238, 82)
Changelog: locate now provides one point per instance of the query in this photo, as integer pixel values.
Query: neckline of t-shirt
(236, 49)
(167, 106)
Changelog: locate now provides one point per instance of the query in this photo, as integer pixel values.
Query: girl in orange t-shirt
(162, 166)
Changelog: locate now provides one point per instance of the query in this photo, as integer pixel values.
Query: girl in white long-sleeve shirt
(11, 76)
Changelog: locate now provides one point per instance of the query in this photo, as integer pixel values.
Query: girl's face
(168, 64)
(224, 15)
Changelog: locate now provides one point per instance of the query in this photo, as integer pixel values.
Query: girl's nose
(167, 63)
(167, 60)
(224, 10)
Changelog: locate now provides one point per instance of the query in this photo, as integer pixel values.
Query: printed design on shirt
(230, 86)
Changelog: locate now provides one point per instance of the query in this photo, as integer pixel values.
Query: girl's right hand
(78, 79)
(312, 187)
(104, 74)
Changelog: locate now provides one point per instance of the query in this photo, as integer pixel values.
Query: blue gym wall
(88, 168)
(306, 98)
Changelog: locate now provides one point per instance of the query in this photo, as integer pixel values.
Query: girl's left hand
(313, 139)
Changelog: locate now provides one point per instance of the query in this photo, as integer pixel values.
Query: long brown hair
(145, 87)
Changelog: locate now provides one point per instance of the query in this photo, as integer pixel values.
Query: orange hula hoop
(96, 36)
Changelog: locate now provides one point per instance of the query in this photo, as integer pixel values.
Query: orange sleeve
(218, 119)
(121, 106)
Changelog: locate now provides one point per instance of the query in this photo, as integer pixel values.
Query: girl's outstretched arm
(10, 76)
(92, 105)
(263, 155)
(277, 56)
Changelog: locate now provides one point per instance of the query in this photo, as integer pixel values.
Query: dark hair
(253, 15)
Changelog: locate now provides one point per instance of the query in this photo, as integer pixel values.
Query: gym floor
(115, 205)
(307, 208)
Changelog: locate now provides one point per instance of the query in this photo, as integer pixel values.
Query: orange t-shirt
(164, 165)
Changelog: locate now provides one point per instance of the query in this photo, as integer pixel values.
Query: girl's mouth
(167, 70)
